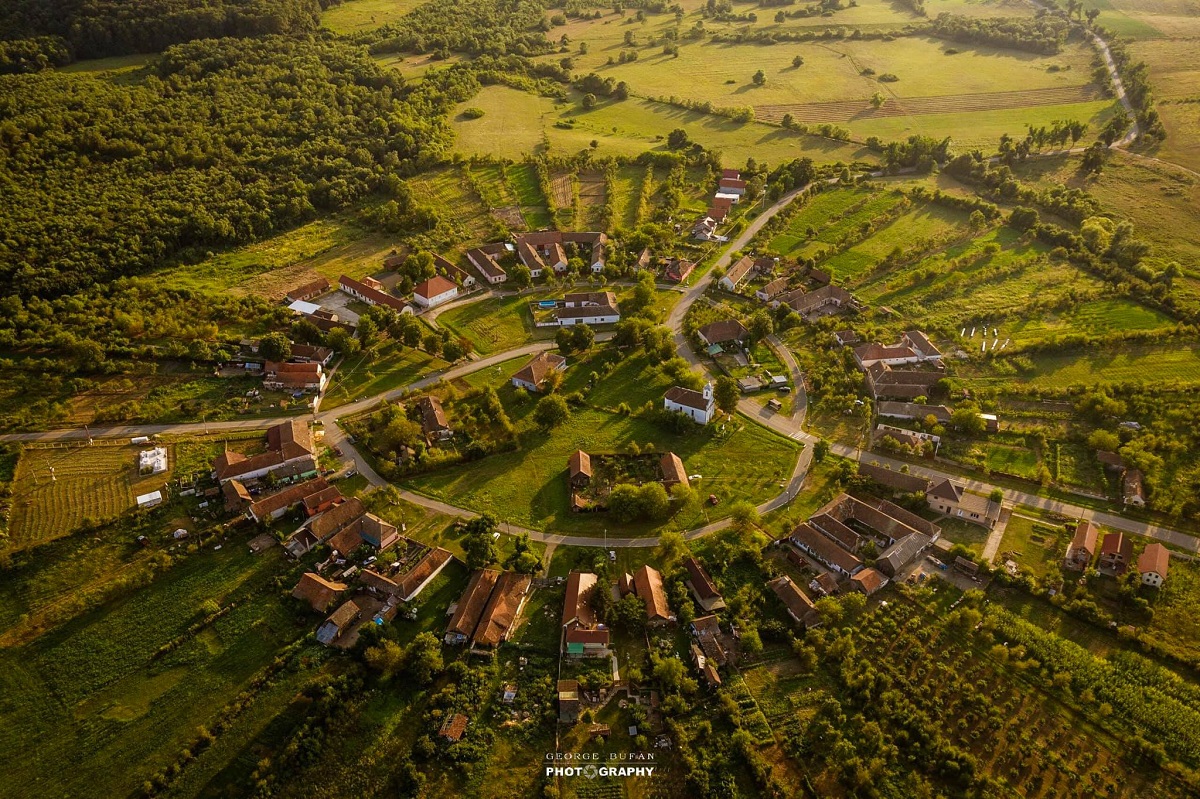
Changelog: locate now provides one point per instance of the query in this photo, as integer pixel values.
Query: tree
(628, 614)
(386, 657)
(672, 548)
(624, 502)
(479, 543)
(678, 139)
(878, 99)
(654, 502)
(797, 62)
(759, 78)
(589, 101)
(1104, 440)
(550, 412)
(275, 347)
(523, 559)
(564, 339)
(1093, 158)
(760, 326)
(966, 420)
(583, 337)
(745, 515)
(820, 450)
(725, 393)
(996, 495)
(669, 673)
(424, 658)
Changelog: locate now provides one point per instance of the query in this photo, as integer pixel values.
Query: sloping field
(849, 110)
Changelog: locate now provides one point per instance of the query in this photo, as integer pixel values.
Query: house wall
(701, 417)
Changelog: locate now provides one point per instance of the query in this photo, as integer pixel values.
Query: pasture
(528, 486)
(351, 16)
(497, 323)
(88, 483)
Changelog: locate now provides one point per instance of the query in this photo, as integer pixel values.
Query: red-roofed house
(434, 291)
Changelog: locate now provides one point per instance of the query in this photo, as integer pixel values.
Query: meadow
(95, 483)
(741, 462)
(352, 16)
(388, 366)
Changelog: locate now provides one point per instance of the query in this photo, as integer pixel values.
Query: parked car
(712, 499)
(775, 405)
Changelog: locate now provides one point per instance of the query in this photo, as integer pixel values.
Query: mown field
(94, 483)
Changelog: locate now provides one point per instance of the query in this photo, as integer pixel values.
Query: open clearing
(351, 16)
(97, 483)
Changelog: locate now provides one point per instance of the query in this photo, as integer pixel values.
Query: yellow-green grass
(493, 185)
(414, 67)
(626, 192)
(386, 367)
(448, 192)
(1149, 19)
(351, 16)
(815, 214)
(496, 324)
(1175, 619)
(99, 482)
(957, 531)
(516, 124)
(528, 486)
(1036, 546)
(1177, 363)
(1159, 199)
(1175, 76)
(121, 63)
(1096, 317)
(721, 73)
(930, 222)
(327, 248)
(983, 129)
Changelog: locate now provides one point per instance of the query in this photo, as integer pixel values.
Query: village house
(366, 529)
(289, 450)
(461, 277)
(272, 507)
(911, 410)
(485, 259)
(470, 606)
(825, 584)
(772, 290)
(1153, 564)
(308, 291)
(579, 470)
(678, 270)
(699, 406)
(736, 274)
(583, 634)
(914, 439)
(435, 291)
(338, 623)
(585, 315)
(952, 499)
(725, 331)
(648, 585)
(488, 608)
(702, 587)
(434, 423)
(1133, 491)
(882, 380)
(1083, 546)
(735, 186)
(844, 338)
(532, 376)
(869, 580)
(237, 496)
(705, 229)
(823, 301)
(673, 472)
(414, 581)
(318, 592)
(308, 353)
(379, 585)
(914, 347)
(825, 551)
(799, 606)
(372, 292)
(324, 525)
(1116, 552)
(903, 552)
(897, 481)
(307, 377)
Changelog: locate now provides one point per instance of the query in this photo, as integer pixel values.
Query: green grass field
(497, 323)
(97, 483)
(352, 16)
(387, 367)
(1177, 363)
(528, 486)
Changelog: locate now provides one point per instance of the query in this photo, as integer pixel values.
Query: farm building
(869, 581)
(485, 259)
(825, 584)
(308, 291)
(454, 727)
(488, 608)
(318, 592)
(568, 701)
(699, 406)
(435, 291)
(772, 290)
(648, 585)
(902, 553)
(1133, 492)
(1153, 564)
(153, 499)
(579, 469)
(289, 444)
(701, 586)
(912, 410)
(307, 377)
(952, 499)
(724, 332)
(583, 634)
(898, 481)
(325, 524)
(275, 505)
(532, 376)
(678, 270)
(884, 381)
(799, 607)
(806, 538)
(304, 353)
(152, 461)
(338, 623)
(470, 606)
(366, 529)
(1083, 546)
(461, 277)
(673, 472)
(372, 292)
(413, 582)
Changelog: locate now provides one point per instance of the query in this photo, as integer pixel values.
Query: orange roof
(1154, 558)
(648, 585)
(317, 591)
(433, 287)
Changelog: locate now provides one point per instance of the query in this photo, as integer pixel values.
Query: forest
(103, 180)
(68, 29)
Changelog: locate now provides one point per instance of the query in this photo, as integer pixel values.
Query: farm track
(859, 110)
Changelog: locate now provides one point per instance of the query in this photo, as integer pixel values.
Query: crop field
(448, 192)
(523, 180)
(96, 483)
(744, 462)
(352, 16)
(626, 193)
(97, 692)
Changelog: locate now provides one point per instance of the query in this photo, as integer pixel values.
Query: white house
(737, 273)
(434, 291)
(532, 376)
(150, 500)
(699, 406)
(484, 259)
(591, 315)
(1153, 564)
(152, 461)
